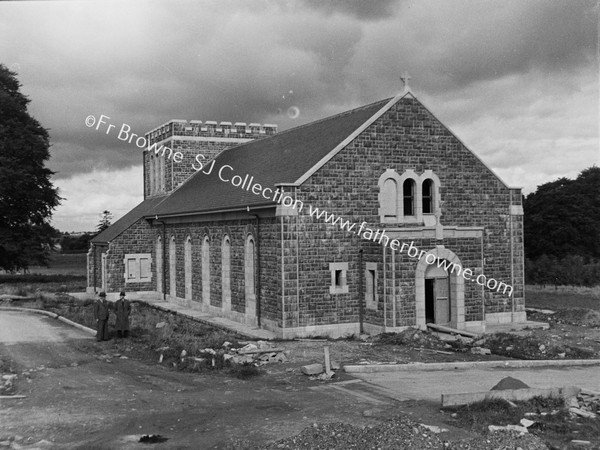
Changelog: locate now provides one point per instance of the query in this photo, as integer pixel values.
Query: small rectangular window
(371, 286)
(339, 284)
(138, 267)
(338, 279)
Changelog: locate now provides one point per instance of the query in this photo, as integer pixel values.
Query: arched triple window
(408, 198)
(206, 270)
(226, 273)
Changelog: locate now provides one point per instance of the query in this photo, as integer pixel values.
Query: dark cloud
(493, 40)
(360, 9)
(476, 64)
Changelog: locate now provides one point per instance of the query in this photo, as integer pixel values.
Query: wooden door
(442, 301)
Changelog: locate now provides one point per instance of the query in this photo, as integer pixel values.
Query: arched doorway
(438, 306)
(439, 289)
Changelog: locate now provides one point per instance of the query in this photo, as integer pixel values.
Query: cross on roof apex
(405, 77)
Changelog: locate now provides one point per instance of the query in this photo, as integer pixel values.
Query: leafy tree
(27, 196)
(562, 218)
(75, 244)
(105, 221)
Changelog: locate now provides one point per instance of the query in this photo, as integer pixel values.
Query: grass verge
(547, 297)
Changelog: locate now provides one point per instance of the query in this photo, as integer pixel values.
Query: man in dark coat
(101, 314)
(122, 310)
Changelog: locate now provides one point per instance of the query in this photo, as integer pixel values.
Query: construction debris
(526, 422)
(481, 351)
(313, 369)
(518, 428)
(256, 354)
(582, 413)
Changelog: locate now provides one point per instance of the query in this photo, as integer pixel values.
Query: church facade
(372, 220)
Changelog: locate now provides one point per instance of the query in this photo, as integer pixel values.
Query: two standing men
(122, 309)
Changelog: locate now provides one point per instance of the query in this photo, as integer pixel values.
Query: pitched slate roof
(281, 158)
(127, 220)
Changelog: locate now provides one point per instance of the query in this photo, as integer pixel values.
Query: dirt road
(77, 398)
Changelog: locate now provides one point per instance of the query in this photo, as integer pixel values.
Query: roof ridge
(314, 122)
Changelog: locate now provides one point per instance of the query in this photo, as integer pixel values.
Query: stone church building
(229, 225)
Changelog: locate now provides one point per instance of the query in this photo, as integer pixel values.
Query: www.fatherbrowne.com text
(227, 174)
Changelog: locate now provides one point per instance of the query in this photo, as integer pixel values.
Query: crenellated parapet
(210, 129)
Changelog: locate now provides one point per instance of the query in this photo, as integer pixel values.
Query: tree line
(27, 195)
(562, 231)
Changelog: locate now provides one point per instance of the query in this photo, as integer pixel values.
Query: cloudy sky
(515, 80)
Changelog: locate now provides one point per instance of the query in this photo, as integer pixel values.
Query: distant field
(63, 264)
(563, 297)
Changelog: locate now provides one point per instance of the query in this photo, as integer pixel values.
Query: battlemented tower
(163, 172)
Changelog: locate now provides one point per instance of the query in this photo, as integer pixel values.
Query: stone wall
(141, 238)
(407, 137)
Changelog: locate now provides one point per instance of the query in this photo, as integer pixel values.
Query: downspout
(282, 283)
(257, 284)
(361, 306)
(164, 259)
(164, 246)
(384, 293)
(394, 288)
(512, 263)
(95, 265)
(483, 287)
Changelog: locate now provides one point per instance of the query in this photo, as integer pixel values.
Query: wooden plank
(508, 394)
(449, 330)
(264, 350)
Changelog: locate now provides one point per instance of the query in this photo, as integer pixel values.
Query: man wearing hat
(101, 314)
(122, 310)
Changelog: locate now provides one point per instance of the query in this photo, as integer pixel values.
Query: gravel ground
(397, 433)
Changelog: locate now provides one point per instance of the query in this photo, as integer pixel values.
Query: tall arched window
(408, 194)
(187, 258)
(206, 270)
(226, 274)
(159, 265)
(427, 196)
(172, 268)
(389, 198)
(249, 268)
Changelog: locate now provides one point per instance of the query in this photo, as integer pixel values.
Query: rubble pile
(531, 347)
(398, 433)
(7, 383)
(576, 316)
(586, 404)
(256, 354)
(413, 337)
